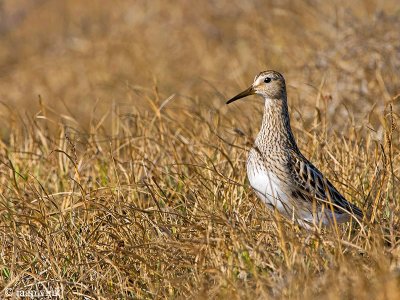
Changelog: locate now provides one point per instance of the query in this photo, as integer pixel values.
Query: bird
(281, 176)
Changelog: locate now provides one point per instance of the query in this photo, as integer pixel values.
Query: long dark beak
(248, 92)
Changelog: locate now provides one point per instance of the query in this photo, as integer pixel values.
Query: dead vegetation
(123, 172)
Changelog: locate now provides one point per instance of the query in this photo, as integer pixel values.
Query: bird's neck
(276, 133)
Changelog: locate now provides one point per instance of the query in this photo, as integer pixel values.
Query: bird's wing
(312, 184)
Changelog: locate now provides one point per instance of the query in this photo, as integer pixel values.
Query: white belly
(270, 189)
(275, 193)
(272, 192)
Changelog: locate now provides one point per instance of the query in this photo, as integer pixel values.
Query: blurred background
(85, 56)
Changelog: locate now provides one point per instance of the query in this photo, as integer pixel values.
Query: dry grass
(126, 177)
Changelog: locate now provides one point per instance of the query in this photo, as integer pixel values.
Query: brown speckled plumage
(280, 175)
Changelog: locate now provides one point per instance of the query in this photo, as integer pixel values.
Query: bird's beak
(248, 92)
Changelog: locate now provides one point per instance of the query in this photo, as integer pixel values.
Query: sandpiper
(280, 175)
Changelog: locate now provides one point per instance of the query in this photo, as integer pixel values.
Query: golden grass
(123, 172)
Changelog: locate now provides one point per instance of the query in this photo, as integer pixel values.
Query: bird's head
(269, 84)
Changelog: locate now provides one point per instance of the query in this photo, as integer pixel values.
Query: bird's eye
(268, 79)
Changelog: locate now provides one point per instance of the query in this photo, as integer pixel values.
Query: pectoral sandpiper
(280, 175)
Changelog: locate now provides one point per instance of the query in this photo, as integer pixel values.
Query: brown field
(123, 171)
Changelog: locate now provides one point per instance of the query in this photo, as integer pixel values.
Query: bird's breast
(267, 185)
